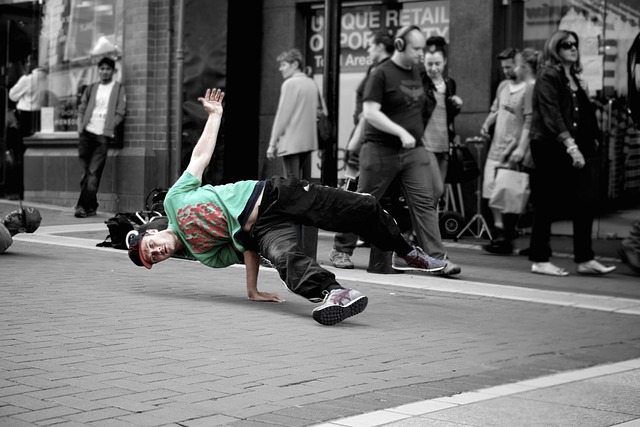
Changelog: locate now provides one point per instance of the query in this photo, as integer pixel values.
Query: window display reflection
(607, 31)
(75, 34)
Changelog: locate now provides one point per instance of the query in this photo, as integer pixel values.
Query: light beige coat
(294, 128)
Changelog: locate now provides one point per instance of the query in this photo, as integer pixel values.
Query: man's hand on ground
(266, 296)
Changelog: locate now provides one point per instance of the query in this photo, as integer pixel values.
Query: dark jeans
(297, 165)
(29, 122)
(14, 157)
(92, 151)
(288, 202)
(558, 187)
(379, 166)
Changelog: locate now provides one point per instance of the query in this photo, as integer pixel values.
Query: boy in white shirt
(102, 108)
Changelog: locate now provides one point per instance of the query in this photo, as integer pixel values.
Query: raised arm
(202, 152)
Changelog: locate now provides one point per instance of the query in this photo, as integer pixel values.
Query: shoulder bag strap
(320, 98)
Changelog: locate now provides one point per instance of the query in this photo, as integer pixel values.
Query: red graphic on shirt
(203, 225)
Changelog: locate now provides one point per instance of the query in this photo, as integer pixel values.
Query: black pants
(558, 188)
(288, 202)
(92, 152)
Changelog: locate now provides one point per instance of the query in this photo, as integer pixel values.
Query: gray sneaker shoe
(450, 269)
(338, 305)
(340, 259)
(417, 260)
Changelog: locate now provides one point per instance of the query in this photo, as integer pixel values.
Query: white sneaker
(338, 305)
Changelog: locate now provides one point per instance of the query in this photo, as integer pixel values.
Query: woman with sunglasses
(564, 136)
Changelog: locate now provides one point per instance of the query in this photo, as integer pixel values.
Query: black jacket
(555, 111)
(430, 105)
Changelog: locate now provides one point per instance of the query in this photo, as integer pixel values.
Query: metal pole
(5, 97)
(179, 90)
(168, 162)
(331, 87)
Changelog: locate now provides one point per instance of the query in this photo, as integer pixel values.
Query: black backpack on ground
(119, 226)
(124, 222)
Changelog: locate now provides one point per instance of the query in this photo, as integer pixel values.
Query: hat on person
(5, 238)
(25, 220)
(133, 240)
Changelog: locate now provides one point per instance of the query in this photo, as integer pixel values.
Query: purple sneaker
(338, 305)
(417, 260)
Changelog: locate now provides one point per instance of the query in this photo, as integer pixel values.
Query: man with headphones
(393, 102)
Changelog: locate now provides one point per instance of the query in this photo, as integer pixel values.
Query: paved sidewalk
(110, 339)
(606, 395)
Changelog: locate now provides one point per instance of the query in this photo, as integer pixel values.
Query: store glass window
(609, 33)
(358, 24)
(606, 30)
(74, 36)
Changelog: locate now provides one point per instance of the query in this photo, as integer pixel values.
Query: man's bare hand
(408, 141)
(212, 101)
(266, 296)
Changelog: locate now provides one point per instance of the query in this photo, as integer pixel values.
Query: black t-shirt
(360, 91)
(402, 97)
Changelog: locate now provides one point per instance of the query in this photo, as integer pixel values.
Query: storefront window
(358, 24)
(608, 52)
(606, 30)
(75, 35)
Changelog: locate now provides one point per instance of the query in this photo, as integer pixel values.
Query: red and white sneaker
(417, 260)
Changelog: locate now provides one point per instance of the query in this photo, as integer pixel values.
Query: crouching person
(226, 224)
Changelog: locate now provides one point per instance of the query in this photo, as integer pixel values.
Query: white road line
(379, 418)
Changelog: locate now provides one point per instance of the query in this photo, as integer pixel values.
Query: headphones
(399, 42)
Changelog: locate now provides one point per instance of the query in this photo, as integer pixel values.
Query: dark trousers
(14, 163)
(288, 202)
(557, 188)
(379, 166)
(92, 151)
(299, 166)
(28, 124)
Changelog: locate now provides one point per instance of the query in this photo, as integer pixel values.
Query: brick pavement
(88, 339)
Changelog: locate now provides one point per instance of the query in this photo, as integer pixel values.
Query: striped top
(436, 135)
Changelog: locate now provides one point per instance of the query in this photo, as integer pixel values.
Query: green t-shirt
(205, 218)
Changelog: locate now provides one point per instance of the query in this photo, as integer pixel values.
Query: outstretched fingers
(212, 95)
(218, 95)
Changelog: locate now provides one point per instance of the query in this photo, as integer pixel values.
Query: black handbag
(462, 165)
(325, 128)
